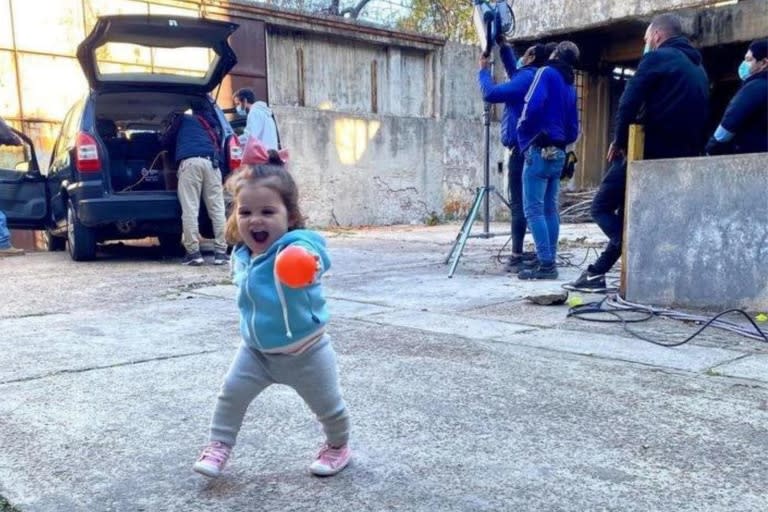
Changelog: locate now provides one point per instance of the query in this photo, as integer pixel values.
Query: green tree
(449, 18)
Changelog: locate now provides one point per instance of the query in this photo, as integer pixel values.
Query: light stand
(482, 197)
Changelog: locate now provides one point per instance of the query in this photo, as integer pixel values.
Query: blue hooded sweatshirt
(550, 116)
(275, 318)
(511, 93)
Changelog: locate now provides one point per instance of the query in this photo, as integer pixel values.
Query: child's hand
(297, 267)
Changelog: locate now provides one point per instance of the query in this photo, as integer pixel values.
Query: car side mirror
(22, 166)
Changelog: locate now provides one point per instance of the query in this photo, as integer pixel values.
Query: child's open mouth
(260, 236)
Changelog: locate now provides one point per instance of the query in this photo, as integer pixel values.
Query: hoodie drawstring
(281, 296)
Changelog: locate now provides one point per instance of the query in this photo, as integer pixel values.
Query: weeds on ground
(7, 507)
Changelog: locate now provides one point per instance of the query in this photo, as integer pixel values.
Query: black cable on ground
(599, 308)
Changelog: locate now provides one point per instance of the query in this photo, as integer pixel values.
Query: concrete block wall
(417, 157)
(355, 169)
(697, 232)
(536, 18)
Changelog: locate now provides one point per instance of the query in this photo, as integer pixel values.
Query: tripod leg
(461, 239)
(468, 220)
(503, 199)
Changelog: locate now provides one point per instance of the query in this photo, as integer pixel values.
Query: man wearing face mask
(512, 94)
(261, 122)
(548, 123)
(669, 95)
(744, 126)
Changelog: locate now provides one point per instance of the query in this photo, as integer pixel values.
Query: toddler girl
(283, 328)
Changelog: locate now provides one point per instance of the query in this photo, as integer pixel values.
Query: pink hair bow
(255, 153)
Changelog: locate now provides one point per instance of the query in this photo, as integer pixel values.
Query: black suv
(109, 178)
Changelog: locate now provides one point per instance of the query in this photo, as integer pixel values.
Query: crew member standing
(512, 94)
(671, 90)
(744, 127)
(548, 124)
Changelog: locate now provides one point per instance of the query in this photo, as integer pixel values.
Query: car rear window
(127, 61)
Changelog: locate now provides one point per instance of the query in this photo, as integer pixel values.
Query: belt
(210, 158)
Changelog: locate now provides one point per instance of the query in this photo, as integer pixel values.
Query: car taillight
(235, 153)
(86, 153)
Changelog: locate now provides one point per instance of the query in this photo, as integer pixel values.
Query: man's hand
(614, 152)
(485, 62)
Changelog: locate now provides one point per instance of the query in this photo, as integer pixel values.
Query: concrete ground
(464, 396)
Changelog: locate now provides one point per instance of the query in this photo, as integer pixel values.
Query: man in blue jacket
(512, 94)
(669, 95)
(744, 127)
(548, 123)
(197, 152)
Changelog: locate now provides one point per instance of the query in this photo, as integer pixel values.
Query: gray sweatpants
(313, 375)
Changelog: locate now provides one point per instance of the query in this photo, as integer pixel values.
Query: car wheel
(170, 245)
(81, 240)
(53, 243)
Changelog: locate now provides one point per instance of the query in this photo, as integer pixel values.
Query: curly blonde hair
(273, 175)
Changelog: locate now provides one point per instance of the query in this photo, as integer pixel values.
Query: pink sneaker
(331, 460)
(212, 460)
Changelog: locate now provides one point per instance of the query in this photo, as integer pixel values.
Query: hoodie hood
(260, 105)
(565, 70)
(681, 43)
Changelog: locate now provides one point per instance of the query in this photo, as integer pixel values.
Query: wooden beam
(635, 146)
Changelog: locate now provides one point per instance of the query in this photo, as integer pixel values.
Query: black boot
(539, 272)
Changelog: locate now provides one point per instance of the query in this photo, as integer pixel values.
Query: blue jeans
(541, 187)
(5, 235)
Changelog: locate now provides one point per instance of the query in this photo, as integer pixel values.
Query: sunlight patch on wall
(352, 137)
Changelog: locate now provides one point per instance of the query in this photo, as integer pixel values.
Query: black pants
(515, 168)
(608, 213)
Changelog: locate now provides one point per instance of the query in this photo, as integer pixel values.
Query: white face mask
(240, 110)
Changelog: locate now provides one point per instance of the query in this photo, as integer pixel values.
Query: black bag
(569, 166)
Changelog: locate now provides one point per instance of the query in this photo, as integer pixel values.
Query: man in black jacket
(744, 127)
(669, 95)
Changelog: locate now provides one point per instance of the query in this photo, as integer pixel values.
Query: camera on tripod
(493, 20)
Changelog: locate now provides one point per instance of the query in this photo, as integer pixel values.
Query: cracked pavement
(464, 396)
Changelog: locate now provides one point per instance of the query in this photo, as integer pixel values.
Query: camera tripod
(482, 198)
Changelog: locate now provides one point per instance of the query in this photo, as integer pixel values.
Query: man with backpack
(197, 156)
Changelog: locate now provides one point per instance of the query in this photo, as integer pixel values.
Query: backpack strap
(277, 131)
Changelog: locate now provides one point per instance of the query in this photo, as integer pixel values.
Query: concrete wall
(745, 21)
(537, 18)
(361, 77)
(697, 232)
(355, 169)
(416, 156)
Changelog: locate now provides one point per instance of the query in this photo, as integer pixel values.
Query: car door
(23, 190)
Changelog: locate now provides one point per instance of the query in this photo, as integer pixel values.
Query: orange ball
(295, 267)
